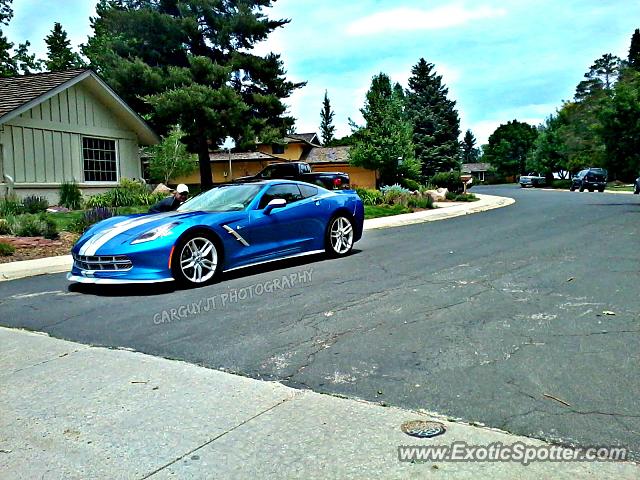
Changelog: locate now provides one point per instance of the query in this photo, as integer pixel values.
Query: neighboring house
(481, 171)
(67, 126)
(293, 147)
(336, 159)
(243, 164)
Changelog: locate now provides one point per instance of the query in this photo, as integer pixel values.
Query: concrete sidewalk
(41, 266)
(74, 411)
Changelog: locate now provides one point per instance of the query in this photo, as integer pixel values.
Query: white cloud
(411, 19)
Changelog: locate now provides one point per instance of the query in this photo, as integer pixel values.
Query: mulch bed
(30, 248)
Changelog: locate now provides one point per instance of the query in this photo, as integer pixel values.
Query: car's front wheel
(339, 236)
(196, 260)
(637, 190)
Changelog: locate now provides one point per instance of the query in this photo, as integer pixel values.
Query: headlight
(155, 233)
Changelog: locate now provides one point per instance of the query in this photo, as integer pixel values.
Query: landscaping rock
(162, 188)
(439, 195)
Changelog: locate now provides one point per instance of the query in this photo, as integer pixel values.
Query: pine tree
(327, 129)
(634, 51)
(470, 153)
(435, 121)
(59, 54)
(190, 62)
(8, 67)
(384, 142)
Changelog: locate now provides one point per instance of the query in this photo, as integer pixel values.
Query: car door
(283, 231)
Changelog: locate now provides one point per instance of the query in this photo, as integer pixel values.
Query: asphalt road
(495, 317)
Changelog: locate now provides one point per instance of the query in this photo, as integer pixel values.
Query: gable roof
(328, 155)
(20, 94)
(310, 138)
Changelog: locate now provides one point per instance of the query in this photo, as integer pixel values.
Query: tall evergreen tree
(8, 66)
(634, 51)
(605, 69)
(190, 62)
(59, 54)
(384, 142)
(435, 121)
(6, 12)
(327, 129)
(470, 153)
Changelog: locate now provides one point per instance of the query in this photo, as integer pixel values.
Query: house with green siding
(67, 126)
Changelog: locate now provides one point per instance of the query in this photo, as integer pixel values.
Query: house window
(100, 160)
(276, 149)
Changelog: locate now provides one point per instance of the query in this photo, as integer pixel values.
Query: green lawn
(619, 188)
(375, 211)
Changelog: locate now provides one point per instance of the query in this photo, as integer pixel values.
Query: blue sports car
(229, 227)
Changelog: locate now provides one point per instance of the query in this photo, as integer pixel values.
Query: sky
(500, 60)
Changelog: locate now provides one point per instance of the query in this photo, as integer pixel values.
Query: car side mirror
(275, 203)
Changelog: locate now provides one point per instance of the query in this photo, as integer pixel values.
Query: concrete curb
(41, 266)
(486, 202)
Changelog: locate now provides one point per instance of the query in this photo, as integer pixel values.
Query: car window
(289, 192)
(222, 199)
(308, 191)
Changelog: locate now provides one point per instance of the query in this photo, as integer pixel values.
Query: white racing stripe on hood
(92, 245)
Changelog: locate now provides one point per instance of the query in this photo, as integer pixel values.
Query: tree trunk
(206, 181)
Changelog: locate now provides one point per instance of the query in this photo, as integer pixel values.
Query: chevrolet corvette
(228, 227)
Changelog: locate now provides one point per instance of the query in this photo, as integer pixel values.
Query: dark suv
(589, 178)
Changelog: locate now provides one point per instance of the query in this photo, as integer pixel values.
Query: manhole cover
(423, 429)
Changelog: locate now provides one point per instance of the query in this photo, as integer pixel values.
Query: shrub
(35, 204)
(562, 184)
(461, 197)
(11, 205)
(100, 200)
(70, 195)
(394, 188)
(369, 197)
(29, 225)
(420, 202)
(410, 184)
(4, 227)
(91, 217)
(6, 249)
(449, 180)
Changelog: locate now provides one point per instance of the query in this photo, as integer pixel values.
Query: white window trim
(117, 147)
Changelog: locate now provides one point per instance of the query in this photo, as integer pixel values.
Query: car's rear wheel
(637, 191)
(581, 188)
(601, 189)
(339, 236)
(196, 260)
(572, 188)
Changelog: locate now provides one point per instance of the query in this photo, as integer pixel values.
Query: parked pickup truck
(301, 171)
(532, 180)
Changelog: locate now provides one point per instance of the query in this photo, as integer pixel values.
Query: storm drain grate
(423, 429)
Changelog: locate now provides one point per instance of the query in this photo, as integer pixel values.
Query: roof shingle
(17, 91)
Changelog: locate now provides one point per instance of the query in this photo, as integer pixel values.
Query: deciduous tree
(384, 142)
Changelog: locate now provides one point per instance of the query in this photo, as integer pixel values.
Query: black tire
(581, 188)
(601, 190)
(636, 191)
(572, 188)
(185, 276)
(330, 244)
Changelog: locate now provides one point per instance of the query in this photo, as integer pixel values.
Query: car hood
(119, 230)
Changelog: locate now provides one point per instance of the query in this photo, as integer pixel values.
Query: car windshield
(222, 199)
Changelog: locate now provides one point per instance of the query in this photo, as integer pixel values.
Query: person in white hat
(174, 201)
